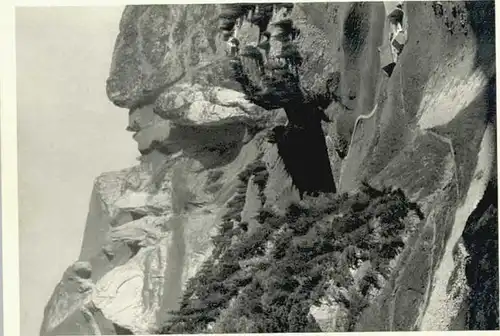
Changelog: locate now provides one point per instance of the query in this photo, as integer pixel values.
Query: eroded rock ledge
(228, 151)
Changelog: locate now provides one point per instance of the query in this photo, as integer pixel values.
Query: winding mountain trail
(389, 5)
(369, 115)
(357, 123)
(452, 151)
(359, 119)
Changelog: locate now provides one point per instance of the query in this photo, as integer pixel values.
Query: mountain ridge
(223, 203)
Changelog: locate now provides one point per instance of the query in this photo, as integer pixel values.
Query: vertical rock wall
(424, 129)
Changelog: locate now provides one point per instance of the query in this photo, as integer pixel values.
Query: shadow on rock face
(304, 154)
(223, 142)
(355, 30)
(122, 330)
(482, 21)
(480, 239)
(492, 100)
(301, 143)
(212, 146)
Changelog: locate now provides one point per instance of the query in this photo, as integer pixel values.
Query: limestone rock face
(162, 51)
(148, 231)
(411, 139)
(196, 105)
(157, 46)
(206, 167)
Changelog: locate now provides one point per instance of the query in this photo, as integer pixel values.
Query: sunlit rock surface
(428, 129)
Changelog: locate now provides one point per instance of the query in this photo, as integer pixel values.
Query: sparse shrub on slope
(275, 274)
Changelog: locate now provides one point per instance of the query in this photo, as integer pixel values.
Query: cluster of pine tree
(211, 289)
(314, 245)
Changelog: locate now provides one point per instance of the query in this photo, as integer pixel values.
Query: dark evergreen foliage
(312, 246)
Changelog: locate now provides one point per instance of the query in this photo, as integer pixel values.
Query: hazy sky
(69, 133)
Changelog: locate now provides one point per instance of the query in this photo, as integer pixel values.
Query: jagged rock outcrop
(201, 115)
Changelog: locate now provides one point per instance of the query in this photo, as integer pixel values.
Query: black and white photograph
(300, 167)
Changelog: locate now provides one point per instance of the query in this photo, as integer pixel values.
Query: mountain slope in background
(211, 232)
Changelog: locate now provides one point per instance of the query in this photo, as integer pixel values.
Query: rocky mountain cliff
(304, 167)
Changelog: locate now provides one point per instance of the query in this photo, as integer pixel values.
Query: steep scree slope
(208, 232)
